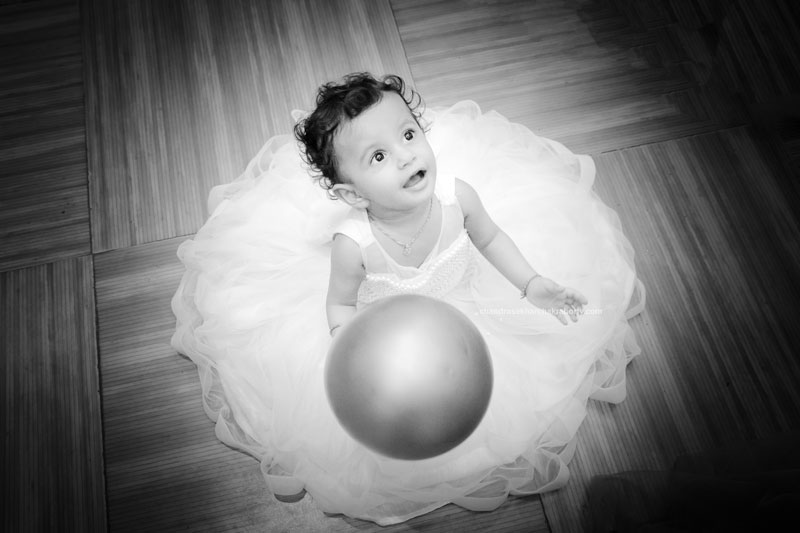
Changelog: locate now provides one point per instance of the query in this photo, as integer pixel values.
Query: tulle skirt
(251, 314)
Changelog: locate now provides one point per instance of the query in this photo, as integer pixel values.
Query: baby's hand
(555, 299)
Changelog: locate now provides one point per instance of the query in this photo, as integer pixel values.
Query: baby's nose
(405, 156)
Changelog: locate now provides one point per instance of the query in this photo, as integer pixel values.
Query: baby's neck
(411, 218)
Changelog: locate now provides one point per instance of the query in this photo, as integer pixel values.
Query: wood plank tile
(52, 460)
(161, 453)
(576, 72)
(736, 48)
(181, 94)
(717, 244)
(44, 205)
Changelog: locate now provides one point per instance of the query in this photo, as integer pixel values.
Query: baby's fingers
(573, 313)
(576, 297)
(559, 314)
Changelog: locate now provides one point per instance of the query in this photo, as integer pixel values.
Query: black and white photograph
(400, 265)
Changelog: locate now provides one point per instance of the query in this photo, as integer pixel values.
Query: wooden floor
(117, 118)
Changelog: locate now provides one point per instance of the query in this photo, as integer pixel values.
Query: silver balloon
(409, 377)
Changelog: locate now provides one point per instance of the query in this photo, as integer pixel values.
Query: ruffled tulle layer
(251, 314)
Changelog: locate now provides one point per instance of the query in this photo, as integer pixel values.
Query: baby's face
(384, 154)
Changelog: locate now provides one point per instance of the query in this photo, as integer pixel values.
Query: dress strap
(446, 188)
(356, 226)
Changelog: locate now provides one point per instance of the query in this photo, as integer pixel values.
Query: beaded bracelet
(524, 292)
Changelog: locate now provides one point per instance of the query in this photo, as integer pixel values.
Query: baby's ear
(349, 195)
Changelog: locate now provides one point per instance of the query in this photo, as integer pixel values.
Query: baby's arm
(500, 250)
(347, 273)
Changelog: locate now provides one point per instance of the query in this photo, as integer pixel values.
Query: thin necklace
(406, 245)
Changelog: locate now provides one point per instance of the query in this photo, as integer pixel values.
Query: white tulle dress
(251, 314)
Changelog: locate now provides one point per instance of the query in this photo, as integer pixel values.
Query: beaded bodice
(435, 278)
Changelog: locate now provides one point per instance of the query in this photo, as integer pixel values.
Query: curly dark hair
(338, 103)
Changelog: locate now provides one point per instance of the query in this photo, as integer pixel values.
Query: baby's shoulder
(466, 196)
(355, 226)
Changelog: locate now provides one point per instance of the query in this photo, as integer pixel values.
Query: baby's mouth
(416, 178)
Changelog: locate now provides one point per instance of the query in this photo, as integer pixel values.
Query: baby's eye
(378, 157)
(409, 134)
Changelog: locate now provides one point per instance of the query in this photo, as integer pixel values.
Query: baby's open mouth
(416, 178)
